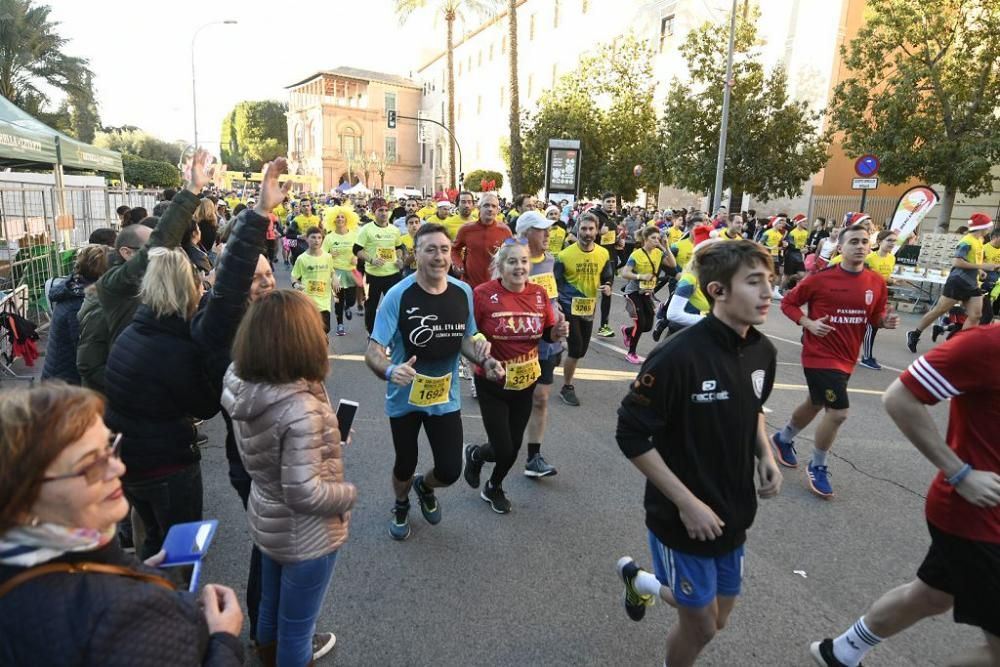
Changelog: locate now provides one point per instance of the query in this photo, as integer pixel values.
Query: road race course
(538, 586)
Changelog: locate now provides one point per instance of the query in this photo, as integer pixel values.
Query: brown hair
(648, 231)
(36, 425)
(91, 261)
(206, 211)
(718, 261)
(281, 340)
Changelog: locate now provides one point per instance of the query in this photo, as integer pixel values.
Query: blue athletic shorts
(697, 580)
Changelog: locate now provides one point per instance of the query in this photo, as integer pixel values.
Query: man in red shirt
(475, 244)
(962, 566)
(842, 300)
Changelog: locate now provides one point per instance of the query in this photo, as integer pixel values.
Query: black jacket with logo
(696, 401)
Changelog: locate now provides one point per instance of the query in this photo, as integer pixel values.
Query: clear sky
(140, 52)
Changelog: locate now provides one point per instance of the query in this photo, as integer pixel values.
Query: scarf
(25, 546)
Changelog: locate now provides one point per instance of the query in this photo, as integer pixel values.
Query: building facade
(337, 130)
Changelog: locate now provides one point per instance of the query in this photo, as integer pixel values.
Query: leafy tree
(32, 60)
(923, 93)
(607, 104)
(254, 133)
(133, 141)
(150, 173)
(774, 144)
(474, 178)
(452, 10)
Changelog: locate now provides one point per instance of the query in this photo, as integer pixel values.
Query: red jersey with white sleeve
(513, 322)
(966, 369)
(851, 300)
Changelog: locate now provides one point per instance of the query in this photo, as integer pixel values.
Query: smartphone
(186, 545)
(345, 417)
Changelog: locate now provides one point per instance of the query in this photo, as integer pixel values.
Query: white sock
(819, 457)
(789, 432)
(646, 583)
(852, 646)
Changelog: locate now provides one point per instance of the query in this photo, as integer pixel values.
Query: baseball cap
(531, 220)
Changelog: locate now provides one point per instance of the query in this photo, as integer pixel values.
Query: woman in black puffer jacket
(157, 382)
(66, 296)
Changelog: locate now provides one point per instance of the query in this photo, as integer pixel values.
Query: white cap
(532, 220)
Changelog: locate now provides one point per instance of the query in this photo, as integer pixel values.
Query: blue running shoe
(870, 362)
(784, 451)
(399, 525)
(819, 481)
(429, 505)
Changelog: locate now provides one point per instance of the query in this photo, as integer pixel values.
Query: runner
(676, 230)
(514, 314)
(464, 215)
(882, 262)
(734, 230)
(686, 306)
(991, 284)
(640, 270)
(538, 232)
(378, 247)
(410, 208)
(795, 248)
(339, 243)
(581, 271)
(693, 424)
(413, 223)
(476, 244)
(607, 215)
(557, 232)
(961, 570)
(314, 274)
(426, 320)
(842, 301)
(773, 239)
(964, 281)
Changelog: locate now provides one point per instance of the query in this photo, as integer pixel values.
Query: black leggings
(643, 321)
(444, 432)
(345, 299)
(505, 416)
(377, 287)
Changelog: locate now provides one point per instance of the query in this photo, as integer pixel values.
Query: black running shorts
(828, 388)
(957, 288)
(969, 571)
(548, 367)
(578, 341)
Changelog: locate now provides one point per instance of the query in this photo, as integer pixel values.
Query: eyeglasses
(515, 240)
(94, 471)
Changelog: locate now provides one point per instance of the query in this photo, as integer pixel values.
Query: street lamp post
(194, 87)
(720, 163)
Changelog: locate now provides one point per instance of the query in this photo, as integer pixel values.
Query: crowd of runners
(176, 317)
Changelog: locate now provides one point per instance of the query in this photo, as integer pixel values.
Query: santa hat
(852, 219)
(799, 218)
(978, 221)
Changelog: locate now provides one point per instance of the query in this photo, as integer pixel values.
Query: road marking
(799, 387)
(799, 344)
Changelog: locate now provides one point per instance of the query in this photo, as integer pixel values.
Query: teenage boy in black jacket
(693, 424)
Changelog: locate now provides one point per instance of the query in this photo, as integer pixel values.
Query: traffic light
(391, 119)
(461, 177)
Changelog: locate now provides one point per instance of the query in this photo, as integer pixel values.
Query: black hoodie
(696, 401)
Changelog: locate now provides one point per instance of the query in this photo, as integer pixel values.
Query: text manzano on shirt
(852, 301)
(965, 369)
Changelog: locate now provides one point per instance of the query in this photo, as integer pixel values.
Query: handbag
(82, 568)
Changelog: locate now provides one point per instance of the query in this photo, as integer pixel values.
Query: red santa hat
(799, 218)
(978, 221)
(701, 233)
(856, 219)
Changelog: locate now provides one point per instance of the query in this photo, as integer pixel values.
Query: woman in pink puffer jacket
(287, 435)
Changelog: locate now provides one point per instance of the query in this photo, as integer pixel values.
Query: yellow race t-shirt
(880, 265)
(315, 273)
(642, 263)
(772, 239)
(674, 234)
(341, 248)
(380, 242)
(799, 237)
(557, 239)
(305, 222)
(453, 223)
(684, 250)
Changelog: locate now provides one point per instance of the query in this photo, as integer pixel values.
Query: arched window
(350, 141)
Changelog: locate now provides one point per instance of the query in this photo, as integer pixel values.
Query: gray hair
(488, 195)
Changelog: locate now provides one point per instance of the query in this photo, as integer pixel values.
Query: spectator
(60, 497)
(135, 215)
(207, 218)
(123, 217)
(66, 297)
(104, 236)
(164, 202)
(300, 505)
(191, 243)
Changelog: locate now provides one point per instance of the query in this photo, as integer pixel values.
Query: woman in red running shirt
(514, 314)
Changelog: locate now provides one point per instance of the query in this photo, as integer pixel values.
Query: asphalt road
(538, 586)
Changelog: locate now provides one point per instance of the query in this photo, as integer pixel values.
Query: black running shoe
(495, 496)
(635, 603)
(912, 338)
(473, 466)
(936, 332)
(822, 653)
(661, 326)
(429, 505)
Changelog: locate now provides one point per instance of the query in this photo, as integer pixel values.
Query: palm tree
(452, 9)
(515, 104)
(31, 55)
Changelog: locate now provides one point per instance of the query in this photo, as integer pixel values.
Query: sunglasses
(515, 241)
(94, 471)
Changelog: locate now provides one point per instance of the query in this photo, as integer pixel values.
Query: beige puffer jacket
(287, 436)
